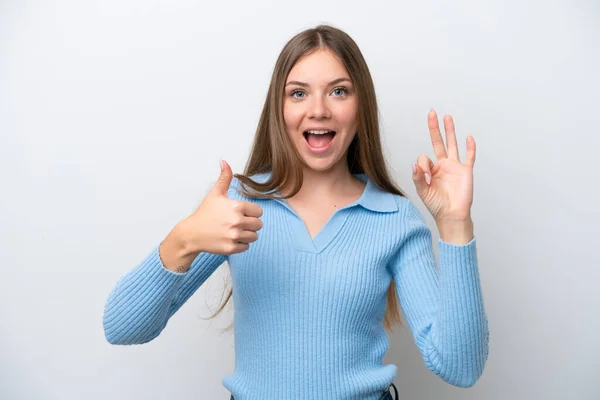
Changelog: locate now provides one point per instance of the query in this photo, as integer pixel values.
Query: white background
(113, 117)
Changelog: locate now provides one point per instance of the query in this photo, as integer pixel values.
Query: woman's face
(319, 109)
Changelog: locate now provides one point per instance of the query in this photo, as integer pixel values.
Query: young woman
(322, 246)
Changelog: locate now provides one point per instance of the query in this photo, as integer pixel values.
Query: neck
(334, 182)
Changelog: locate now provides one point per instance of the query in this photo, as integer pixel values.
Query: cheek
(291, 116)
(348, 115)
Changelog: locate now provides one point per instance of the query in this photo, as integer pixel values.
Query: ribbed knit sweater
(308, 312)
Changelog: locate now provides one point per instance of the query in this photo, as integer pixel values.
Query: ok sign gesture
(446, 186)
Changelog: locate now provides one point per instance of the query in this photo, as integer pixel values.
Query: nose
(319, 108)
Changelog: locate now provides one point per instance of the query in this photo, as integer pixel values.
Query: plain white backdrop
(113, 118)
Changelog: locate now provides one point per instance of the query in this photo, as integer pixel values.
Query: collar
(373, 197)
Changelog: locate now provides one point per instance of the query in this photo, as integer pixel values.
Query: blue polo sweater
(308, 313)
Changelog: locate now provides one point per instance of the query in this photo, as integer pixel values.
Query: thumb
(222, 185)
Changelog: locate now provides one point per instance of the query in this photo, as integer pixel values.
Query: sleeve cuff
(459, 262)
(153, 270)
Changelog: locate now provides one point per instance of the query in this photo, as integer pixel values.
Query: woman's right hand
(221, 225)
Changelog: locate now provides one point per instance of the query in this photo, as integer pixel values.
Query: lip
(318, 128)
(319, 150)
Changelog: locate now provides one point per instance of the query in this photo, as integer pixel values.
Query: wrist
(184, 239)
(176, 252)
(458, 232)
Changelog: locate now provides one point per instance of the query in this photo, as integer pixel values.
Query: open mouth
(319, 139)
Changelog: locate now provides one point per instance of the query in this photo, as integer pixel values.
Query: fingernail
(221, 164)
(414, 168)
(427, 178)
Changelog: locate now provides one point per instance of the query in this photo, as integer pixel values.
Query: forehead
(318, 68)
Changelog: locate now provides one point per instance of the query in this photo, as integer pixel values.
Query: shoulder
(408, 212)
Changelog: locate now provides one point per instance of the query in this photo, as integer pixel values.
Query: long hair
(274, 152)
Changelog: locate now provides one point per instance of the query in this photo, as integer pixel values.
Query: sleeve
(144, 299)
(444, 309)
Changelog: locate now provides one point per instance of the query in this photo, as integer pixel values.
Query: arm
(143, 300)
(444, 309)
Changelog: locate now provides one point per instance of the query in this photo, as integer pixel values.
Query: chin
(320, 165)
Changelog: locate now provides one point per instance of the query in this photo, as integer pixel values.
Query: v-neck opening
(327, 232)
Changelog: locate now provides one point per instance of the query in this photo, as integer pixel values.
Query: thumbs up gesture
(221, 225)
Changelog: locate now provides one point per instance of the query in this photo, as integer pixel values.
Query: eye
(340, 91)
(295, 92)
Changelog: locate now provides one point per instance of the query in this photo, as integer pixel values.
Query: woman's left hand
(448, 190)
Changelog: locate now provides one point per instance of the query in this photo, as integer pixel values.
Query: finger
(451, 138)
(251, 224)
(252, 209)
(419, 179)
(238, 248)
(471, 150)
(224, 181)
(436, 137)
(246, 237)
(426, 167)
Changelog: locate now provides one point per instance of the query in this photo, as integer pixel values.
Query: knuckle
(234, 234)
(236, 220)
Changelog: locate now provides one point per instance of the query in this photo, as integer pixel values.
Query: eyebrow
(333, 82)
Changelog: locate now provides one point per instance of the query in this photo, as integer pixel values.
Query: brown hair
(274, 152)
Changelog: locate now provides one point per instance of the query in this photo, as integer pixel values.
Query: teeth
(315, 132)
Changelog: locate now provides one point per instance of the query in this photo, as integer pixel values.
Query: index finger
(252, 210)
(436, 136)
